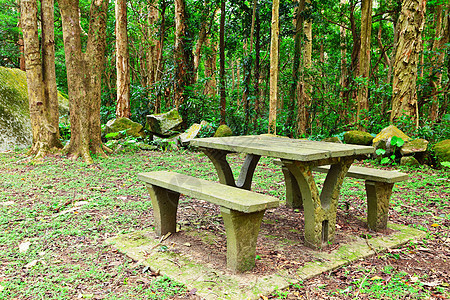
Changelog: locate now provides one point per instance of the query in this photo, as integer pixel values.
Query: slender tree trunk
(409, 46)
(364, 61)
(257, 67)
(274, 68)
(304, 89)
(343, 46)
(160, 59)
(122, 61)
(222, 63)
(152, 53)
(183, 55)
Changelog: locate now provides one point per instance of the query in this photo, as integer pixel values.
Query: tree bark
(364, 61)
(222, 63)
(41, 79)
(274, 68)
(122, 61)
(409, 47)
(183, 55)
(210, 69)
(84, 77)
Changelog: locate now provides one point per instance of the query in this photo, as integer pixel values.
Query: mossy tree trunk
(122, 61)
(84, 77)
(409, 47)
(41, 79)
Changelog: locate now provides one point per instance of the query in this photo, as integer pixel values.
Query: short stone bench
(242, 211)
(379, 184)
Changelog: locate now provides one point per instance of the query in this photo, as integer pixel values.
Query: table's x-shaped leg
(319, 208)
(219, 159)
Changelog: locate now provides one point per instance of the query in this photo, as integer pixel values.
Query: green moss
(223, 131)
(442, 150)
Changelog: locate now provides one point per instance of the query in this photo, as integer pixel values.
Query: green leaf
(385, 160)
(112, 134)
(446, 164)
(380, 151)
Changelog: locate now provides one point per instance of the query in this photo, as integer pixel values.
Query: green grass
(68, 249)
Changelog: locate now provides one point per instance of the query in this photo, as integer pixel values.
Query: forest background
(341, 65)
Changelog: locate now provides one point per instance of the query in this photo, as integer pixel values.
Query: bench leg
(293, 194)
(378, 195)
(242, 232)
(165, 204)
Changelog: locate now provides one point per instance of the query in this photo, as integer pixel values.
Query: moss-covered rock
(414, 146)
(383, 139)
(15, 127)
(223, 131)
(123, 124)
(166, 124)
(442, 150)
(409, 161)
(358, 137)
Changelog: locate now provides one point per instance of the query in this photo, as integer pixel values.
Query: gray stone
(442, 150)
(332, 139)
(409, 161)
(117, 125)
(166, 124)
(358, 137)
(192, 132)
(414, 146)
(223, 131)
(15, 126)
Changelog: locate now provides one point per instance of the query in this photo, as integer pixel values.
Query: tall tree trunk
(441, 38)
(274, 68)
(257, 67)
(210, 69)
(152, 53)
(122, 61)
(303, 88)
(222, 63)
(160, 62)
(183, 54)
(343, 46)
(409, 47)
(41, 79)
(84, 77)
(364, 61)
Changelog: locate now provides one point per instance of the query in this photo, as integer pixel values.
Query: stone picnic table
(300, 157)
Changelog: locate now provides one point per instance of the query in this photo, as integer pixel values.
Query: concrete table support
(319, 208)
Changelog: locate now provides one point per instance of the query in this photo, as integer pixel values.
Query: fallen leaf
(434, 225)
(80, 203)
(263, 297)
(5, 203)
(187, 244)
(431, 284)
(31, 264)
(376, 277)
(1, 288)
(414, 279)
(23, 247)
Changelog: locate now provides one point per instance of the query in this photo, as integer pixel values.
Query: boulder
(166, 124)
(117, 125)
(332, 139)
(383, 139)
(442, 151)
(414, 146)
(409, 161)
(358, 137)
(15, 127)
(192, 132)
(223, 131)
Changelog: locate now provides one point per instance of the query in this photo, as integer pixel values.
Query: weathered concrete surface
(216, 284)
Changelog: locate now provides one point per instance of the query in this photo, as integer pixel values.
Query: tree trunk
(122, 61)
(153, 51)
(84, 77)
(210, 69)
(257, 67)
(41, 79)
(274, 68)
(441, 38)
(343, 46)
(183, 55)
(409, 47)
(304, 89)
(364, 61)
(222, 63)
(160, 61)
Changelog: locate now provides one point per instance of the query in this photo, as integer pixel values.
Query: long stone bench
(379, 184)
(242, 211)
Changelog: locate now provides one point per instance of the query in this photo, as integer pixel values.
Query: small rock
(414, 146)
(358, 137)
(117, 125)
(442, 150)
(166, 124)
(332, 139)
(23, 247)
(409, 161)
(223, 131)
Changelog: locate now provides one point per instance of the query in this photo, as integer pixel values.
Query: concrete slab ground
(210, 283)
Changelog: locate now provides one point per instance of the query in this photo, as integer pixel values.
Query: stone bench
(242, 211)
(379, 184)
